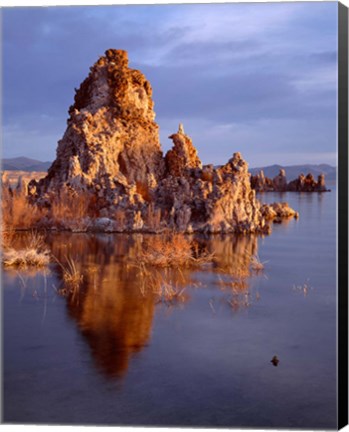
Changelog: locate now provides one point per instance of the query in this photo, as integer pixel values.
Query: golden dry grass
(34, 254)
(72, 210)
(25, 258)
(256, 264)
(17, 212)
(7, 236)
(164, 267)
(72, 277)
(153, 218)
(173, 250)
(167, 286)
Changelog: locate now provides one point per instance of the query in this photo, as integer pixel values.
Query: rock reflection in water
(110, 310)
(115, 305)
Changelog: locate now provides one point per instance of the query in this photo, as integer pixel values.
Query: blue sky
(256, 78)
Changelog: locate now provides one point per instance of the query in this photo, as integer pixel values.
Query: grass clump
(34, 254)
(170, 294)
(174, 250)
(256, 264)
(167, 285)
(72, 277)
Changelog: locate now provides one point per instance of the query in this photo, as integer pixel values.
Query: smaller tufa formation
(207, 199)
(260, 183)
(183, 156)
(308, 184)
(280, 182)
(278, 211)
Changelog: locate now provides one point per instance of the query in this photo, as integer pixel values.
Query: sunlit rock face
(111, 137)
(110, 157)
(212, 200)
(182, 156)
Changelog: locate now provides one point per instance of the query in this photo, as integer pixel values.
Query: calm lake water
(113, 355)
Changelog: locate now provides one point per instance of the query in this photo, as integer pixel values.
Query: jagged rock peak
(112, 83)
(119, 57)
(111, 132)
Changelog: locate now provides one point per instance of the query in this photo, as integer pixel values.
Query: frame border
(342, 215)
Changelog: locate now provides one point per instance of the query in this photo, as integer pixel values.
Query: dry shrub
(153, 218)
(72, 210)
(172, 250)
(35, 253)
(17, 212)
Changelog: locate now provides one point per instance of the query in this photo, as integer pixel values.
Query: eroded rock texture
(111, 154)
(111, 138)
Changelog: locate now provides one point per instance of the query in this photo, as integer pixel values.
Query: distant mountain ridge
(293, 171)
(24, 164)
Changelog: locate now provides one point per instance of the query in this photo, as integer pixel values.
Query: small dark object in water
(275, 360)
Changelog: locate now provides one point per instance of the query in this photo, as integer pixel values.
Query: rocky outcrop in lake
(279, 183)
(110, 157)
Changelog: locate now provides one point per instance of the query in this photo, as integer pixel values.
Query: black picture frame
(342, 215)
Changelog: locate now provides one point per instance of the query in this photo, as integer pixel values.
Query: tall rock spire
(111, 132)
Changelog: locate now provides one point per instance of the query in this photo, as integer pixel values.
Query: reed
(256, 264)
(72, 276)
(168, 286)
